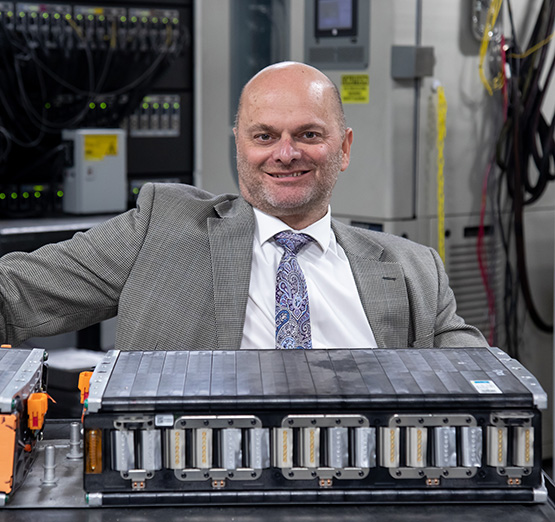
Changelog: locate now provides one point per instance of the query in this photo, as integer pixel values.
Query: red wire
(481, 230)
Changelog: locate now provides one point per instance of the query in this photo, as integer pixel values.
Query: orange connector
(37, 405)
(84, 385)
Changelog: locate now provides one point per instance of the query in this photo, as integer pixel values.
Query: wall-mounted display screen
(335, 18)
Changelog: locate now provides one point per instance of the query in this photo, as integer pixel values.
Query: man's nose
(287, 151)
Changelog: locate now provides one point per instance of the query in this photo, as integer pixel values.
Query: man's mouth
(288, 174)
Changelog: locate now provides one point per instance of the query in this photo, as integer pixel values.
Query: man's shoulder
(389, 246)
(184, 193)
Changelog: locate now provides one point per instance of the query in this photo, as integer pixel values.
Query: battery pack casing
(21, 374)
(310, 426)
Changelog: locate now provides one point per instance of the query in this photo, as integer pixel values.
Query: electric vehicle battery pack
(313, 426)
(23, 404)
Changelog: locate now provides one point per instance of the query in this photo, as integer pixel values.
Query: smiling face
(291, 143)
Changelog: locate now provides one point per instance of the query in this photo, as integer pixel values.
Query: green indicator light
(34, 15)
(92, 105)
(90, 17)
(134, 19)
(68, 16)
(123, 19)
(145, 106)
(175, 21)
(14, 195)
(2, 195)
(10, 14)
(26, 195)
(79, 17)
(165, 20)
(59, 193)
(47, 105)
(155, 20)
(135, 190)
(21, 14)
(102, 18)
(57, 16)
(176, 105)
(156, 105)
(37, 194)
(45, 15)
(166, 105)
(38, 187)
(144, 19)
(103, 105)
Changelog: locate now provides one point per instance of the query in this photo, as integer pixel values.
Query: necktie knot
(291, 241)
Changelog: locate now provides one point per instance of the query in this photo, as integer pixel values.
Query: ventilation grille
(466, 280)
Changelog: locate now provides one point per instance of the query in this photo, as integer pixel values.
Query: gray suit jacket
(176, 271)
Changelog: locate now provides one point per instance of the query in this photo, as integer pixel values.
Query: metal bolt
(75, 452)
(49, 478)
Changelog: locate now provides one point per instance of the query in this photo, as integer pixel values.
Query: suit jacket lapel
(231, 237)
(381, 286)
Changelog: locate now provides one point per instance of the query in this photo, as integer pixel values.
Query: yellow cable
(76, 28)
(533, 49)
(441, 131)
(491, 19)
(114, 35)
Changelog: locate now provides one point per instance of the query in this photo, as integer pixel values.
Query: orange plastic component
(5, 345)
(8, 425)
(84, 385)
(37, 406)
(93, 451)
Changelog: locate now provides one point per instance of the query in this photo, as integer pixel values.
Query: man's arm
(70, 285)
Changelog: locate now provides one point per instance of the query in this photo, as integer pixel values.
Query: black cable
(526, 135)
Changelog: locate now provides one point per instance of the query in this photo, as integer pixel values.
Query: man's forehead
(279, 100)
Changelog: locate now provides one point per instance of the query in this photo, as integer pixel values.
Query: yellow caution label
(98, 146)
(355, 88)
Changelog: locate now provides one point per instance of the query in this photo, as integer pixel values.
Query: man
(189, 270)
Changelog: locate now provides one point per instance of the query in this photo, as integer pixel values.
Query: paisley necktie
(292, 311)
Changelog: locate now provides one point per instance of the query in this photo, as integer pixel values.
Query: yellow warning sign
(98, 146)
(355, 88)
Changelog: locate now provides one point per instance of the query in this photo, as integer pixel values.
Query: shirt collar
(268, 226)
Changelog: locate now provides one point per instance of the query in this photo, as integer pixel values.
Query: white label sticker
(485, 387)
(163, 420)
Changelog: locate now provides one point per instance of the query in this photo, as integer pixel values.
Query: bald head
(298, 76)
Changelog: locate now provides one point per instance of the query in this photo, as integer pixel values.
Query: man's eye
(309, 135)
(262, 137)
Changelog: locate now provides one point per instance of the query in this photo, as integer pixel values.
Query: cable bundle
(66, 67)
(525, 153)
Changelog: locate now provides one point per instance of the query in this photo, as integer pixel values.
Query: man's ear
(346, 147)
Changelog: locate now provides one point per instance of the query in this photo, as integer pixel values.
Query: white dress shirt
(336, 315)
